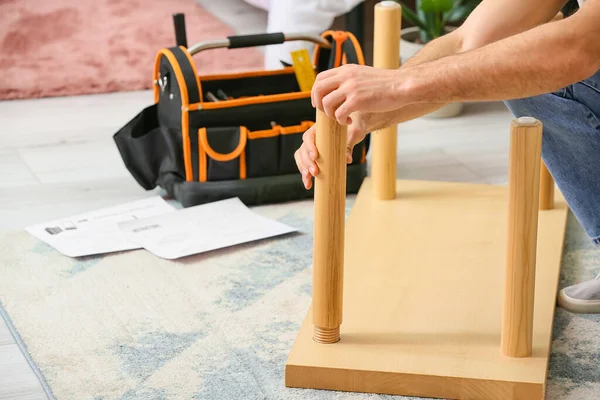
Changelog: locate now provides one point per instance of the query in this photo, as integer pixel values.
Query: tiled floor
(57, 158)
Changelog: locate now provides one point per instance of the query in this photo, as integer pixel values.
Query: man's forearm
(538, 61)
(475, 33)
(441, 47)
(407, 113)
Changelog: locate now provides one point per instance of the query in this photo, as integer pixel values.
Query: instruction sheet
(97, 232)
(201, 228)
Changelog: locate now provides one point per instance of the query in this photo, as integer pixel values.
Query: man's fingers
(327, 73)
(308, 151)
(299, 162)
(309, 142)
(322, 88)
(342, 114)
(320, 77)
(349, 150)
(309, 164)
(350, 146)
(355, 136)
(332, 101)
(307, 180)
(301, 155)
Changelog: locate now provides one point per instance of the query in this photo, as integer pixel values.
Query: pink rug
(72, 47)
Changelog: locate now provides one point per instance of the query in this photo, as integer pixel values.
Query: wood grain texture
(386, 35)
(330, 201)
(411, 384)
(546, 188)
(386, 48)
(423, 285)
(383, 166)
(523, 206)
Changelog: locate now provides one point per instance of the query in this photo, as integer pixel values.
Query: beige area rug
(73, 47)
(217, 326)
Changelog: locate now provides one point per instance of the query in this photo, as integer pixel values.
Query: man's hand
(340, 92)
(307, 155)
(362, 123)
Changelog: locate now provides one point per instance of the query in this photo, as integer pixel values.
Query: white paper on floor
(97, 232)
(201, 228)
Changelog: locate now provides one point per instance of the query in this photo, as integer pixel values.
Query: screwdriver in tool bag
(222, 94)
(212, 97)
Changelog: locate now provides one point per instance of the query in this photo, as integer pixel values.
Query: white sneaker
(582, 298)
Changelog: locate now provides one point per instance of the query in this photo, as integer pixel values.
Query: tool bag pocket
(228, 153)
(208, 137)
(151, 152)
(262, 153)
(222, 153)
(266, 133)
(291, 140)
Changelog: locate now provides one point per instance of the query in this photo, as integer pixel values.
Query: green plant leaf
(439, 25)
(471, 3)
(461, 10)
(412, 17)
(436, 6)
(423, 34)
(457, 13)
(432, 31)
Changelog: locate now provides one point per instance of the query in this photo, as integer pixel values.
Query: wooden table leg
(523, 202)
(328, 257)
(386, 54)
(546, 189)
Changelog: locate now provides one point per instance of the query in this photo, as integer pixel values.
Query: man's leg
(571, 150)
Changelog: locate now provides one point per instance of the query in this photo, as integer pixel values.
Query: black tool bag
(200, 150)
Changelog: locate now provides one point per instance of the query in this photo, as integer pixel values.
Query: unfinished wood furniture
(546, 189)
(386, 54)
(442, 290)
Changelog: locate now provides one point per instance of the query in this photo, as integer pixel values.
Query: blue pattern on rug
(306, 288)
(218, 327)
(43, 248)
(578, 358)
(144, 394)
(82, 264)
(153, 350)
(270, 266)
